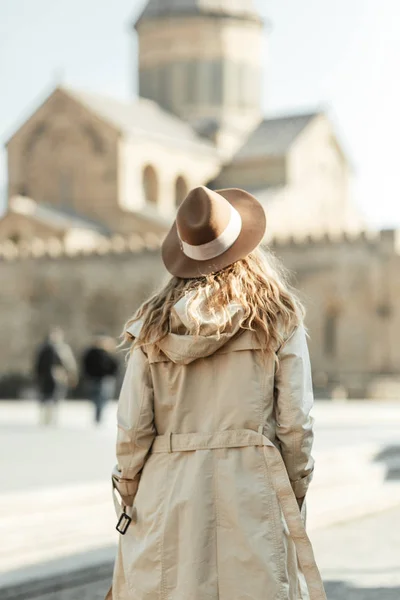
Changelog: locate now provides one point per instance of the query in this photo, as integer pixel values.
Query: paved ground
(359, 560)
(77, 451)
(88, 591)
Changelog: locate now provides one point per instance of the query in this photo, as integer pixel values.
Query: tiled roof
(142, 117)
(273, 137)
(164, 8)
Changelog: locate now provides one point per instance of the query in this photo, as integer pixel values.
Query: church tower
(202, 60)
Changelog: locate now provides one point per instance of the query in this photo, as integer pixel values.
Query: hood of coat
(182, 345)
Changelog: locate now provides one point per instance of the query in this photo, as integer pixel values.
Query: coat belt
(187, 442)
(242, 438)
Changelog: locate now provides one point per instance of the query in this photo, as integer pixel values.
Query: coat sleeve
(294, 401)
(136, 429)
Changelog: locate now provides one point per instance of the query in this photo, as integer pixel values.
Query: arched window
(150, 185)
(181, 190)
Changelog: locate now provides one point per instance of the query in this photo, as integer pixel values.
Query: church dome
(243, 9)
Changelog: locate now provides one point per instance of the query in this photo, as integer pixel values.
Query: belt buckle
(123, 523)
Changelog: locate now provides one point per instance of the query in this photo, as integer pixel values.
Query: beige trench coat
(214, 445)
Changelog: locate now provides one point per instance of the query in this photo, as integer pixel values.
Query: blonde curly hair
(257, 283)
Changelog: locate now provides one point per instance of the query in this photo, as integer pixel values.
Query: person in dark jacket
(55, 369)
(100, 368)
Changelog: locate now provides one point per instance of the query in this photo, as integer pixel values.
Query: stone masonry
(350, 287)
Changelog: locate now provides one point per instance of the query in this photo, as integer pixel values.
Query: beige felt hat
(212, 230)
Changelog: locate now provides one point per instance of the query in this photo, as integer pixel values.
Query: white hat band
(218, 246)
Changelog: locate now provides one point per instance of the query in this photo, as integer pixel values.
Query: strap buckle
(123, 523)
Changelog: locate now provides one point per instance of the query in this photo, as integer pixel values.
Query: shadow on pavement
(391, 457)
(87, 583)
(338, 590)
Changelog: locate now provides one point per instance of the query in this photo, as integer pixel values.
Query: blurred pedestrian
(214, 426)
(55, 370)
(100, 369)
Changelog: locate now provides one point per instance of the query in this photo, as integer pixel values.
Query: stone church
(84, 165)
(94, 183)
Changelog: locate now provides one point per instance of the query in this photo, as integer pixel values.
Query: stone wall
(83, 294)
(350, 287)
(253, 174)
(305, 189)
(319, 172)
(195, 164)
(65, 156)
(14, 226)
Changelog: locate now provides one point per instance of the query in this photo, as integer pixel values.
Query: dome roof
(245, 9)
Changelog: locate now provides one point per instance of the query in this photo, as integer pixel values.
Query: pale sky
(340, 54)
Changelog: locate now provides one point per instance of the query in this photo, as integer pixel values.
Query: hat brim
(251, 235)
